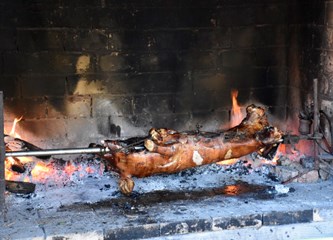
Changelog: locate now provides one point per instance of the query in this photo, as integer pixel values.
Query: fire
(235, 118)
(13, 130)
(236, 113)
(41, 171)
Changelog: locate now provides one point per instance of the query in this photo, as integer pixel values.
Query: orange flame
(12, 131)
(235, 118)
(43, 172)
(236, 113)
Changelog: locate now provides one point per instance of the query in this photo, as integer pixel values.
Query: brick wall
(81, 71)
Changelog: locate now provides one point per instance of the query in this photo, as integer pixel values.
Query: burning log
(169, 151)
(17, 144)
(12, 144)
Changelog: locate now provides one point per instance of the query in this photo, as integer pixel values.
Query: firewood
(20, 187)
(17, 144)
(169, 151)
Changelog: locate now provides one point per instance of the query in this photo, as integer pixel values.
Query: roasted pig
(169, 151)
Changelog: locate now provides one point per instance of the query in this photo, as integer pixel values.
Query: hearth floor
(93, 208)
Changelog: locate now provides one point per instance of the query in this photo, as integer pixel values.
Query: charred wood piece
(17, 144)
(17, 166)
(169, 151)
(20, 187)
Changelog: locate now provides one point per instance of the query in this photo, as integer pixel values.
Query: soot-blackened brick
(108, 105)
(321, 37)
(118, 18)
(242, 37)
(141, 83)
(161, 104)
(87, 84)
(72, 106)
(29, 108)
(43, 62)
(170, 39)
(148, 18)
(183, 103)
(158, 62)
(280, 218)
(208, 101)
(39, 40)
(236, 58)
(270, 96)
(153, 104)
(131, 40)
(278, 113)
(8, 39)
(277, 76)
(80, 3)
(197, 60)
(273, 56)
(245, 77)
(91, 40)
(254, 36)
(271, 13)
(175, 40)
(164, 82)
(174, 228)
(123, 83)
(237, 222)
(209, 80)
(133, 232)
(299, 13)
(236, 15)
(140, 104)
(199, 225)
(10, 86)
(39, 86)
(272, 35)
(116, 62)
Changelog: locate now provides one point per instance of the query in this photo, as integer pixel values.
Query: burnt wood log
(17, 144)
(169, 151)
(20, 187)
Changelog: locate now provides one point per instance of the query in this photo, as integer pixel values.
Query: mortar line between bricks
(115, 30)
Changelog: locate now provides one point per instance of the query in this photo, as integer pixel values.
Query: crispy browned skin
(168, 151)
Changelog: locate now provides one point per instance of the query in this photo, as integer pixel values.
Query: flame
(38, 171)
(236, 113)
(13, 130)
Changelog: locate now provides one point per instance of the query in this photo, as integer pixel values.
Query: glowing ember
(236, 113)
(53, 171)
(42, 172)
(228, 162)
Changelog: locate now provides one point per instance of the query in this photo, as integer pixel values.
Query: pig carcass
(169, 151)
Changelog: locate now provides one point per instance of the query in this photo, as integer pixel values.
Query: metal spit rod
(315, 120)
(315, 108)
(64, 151)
